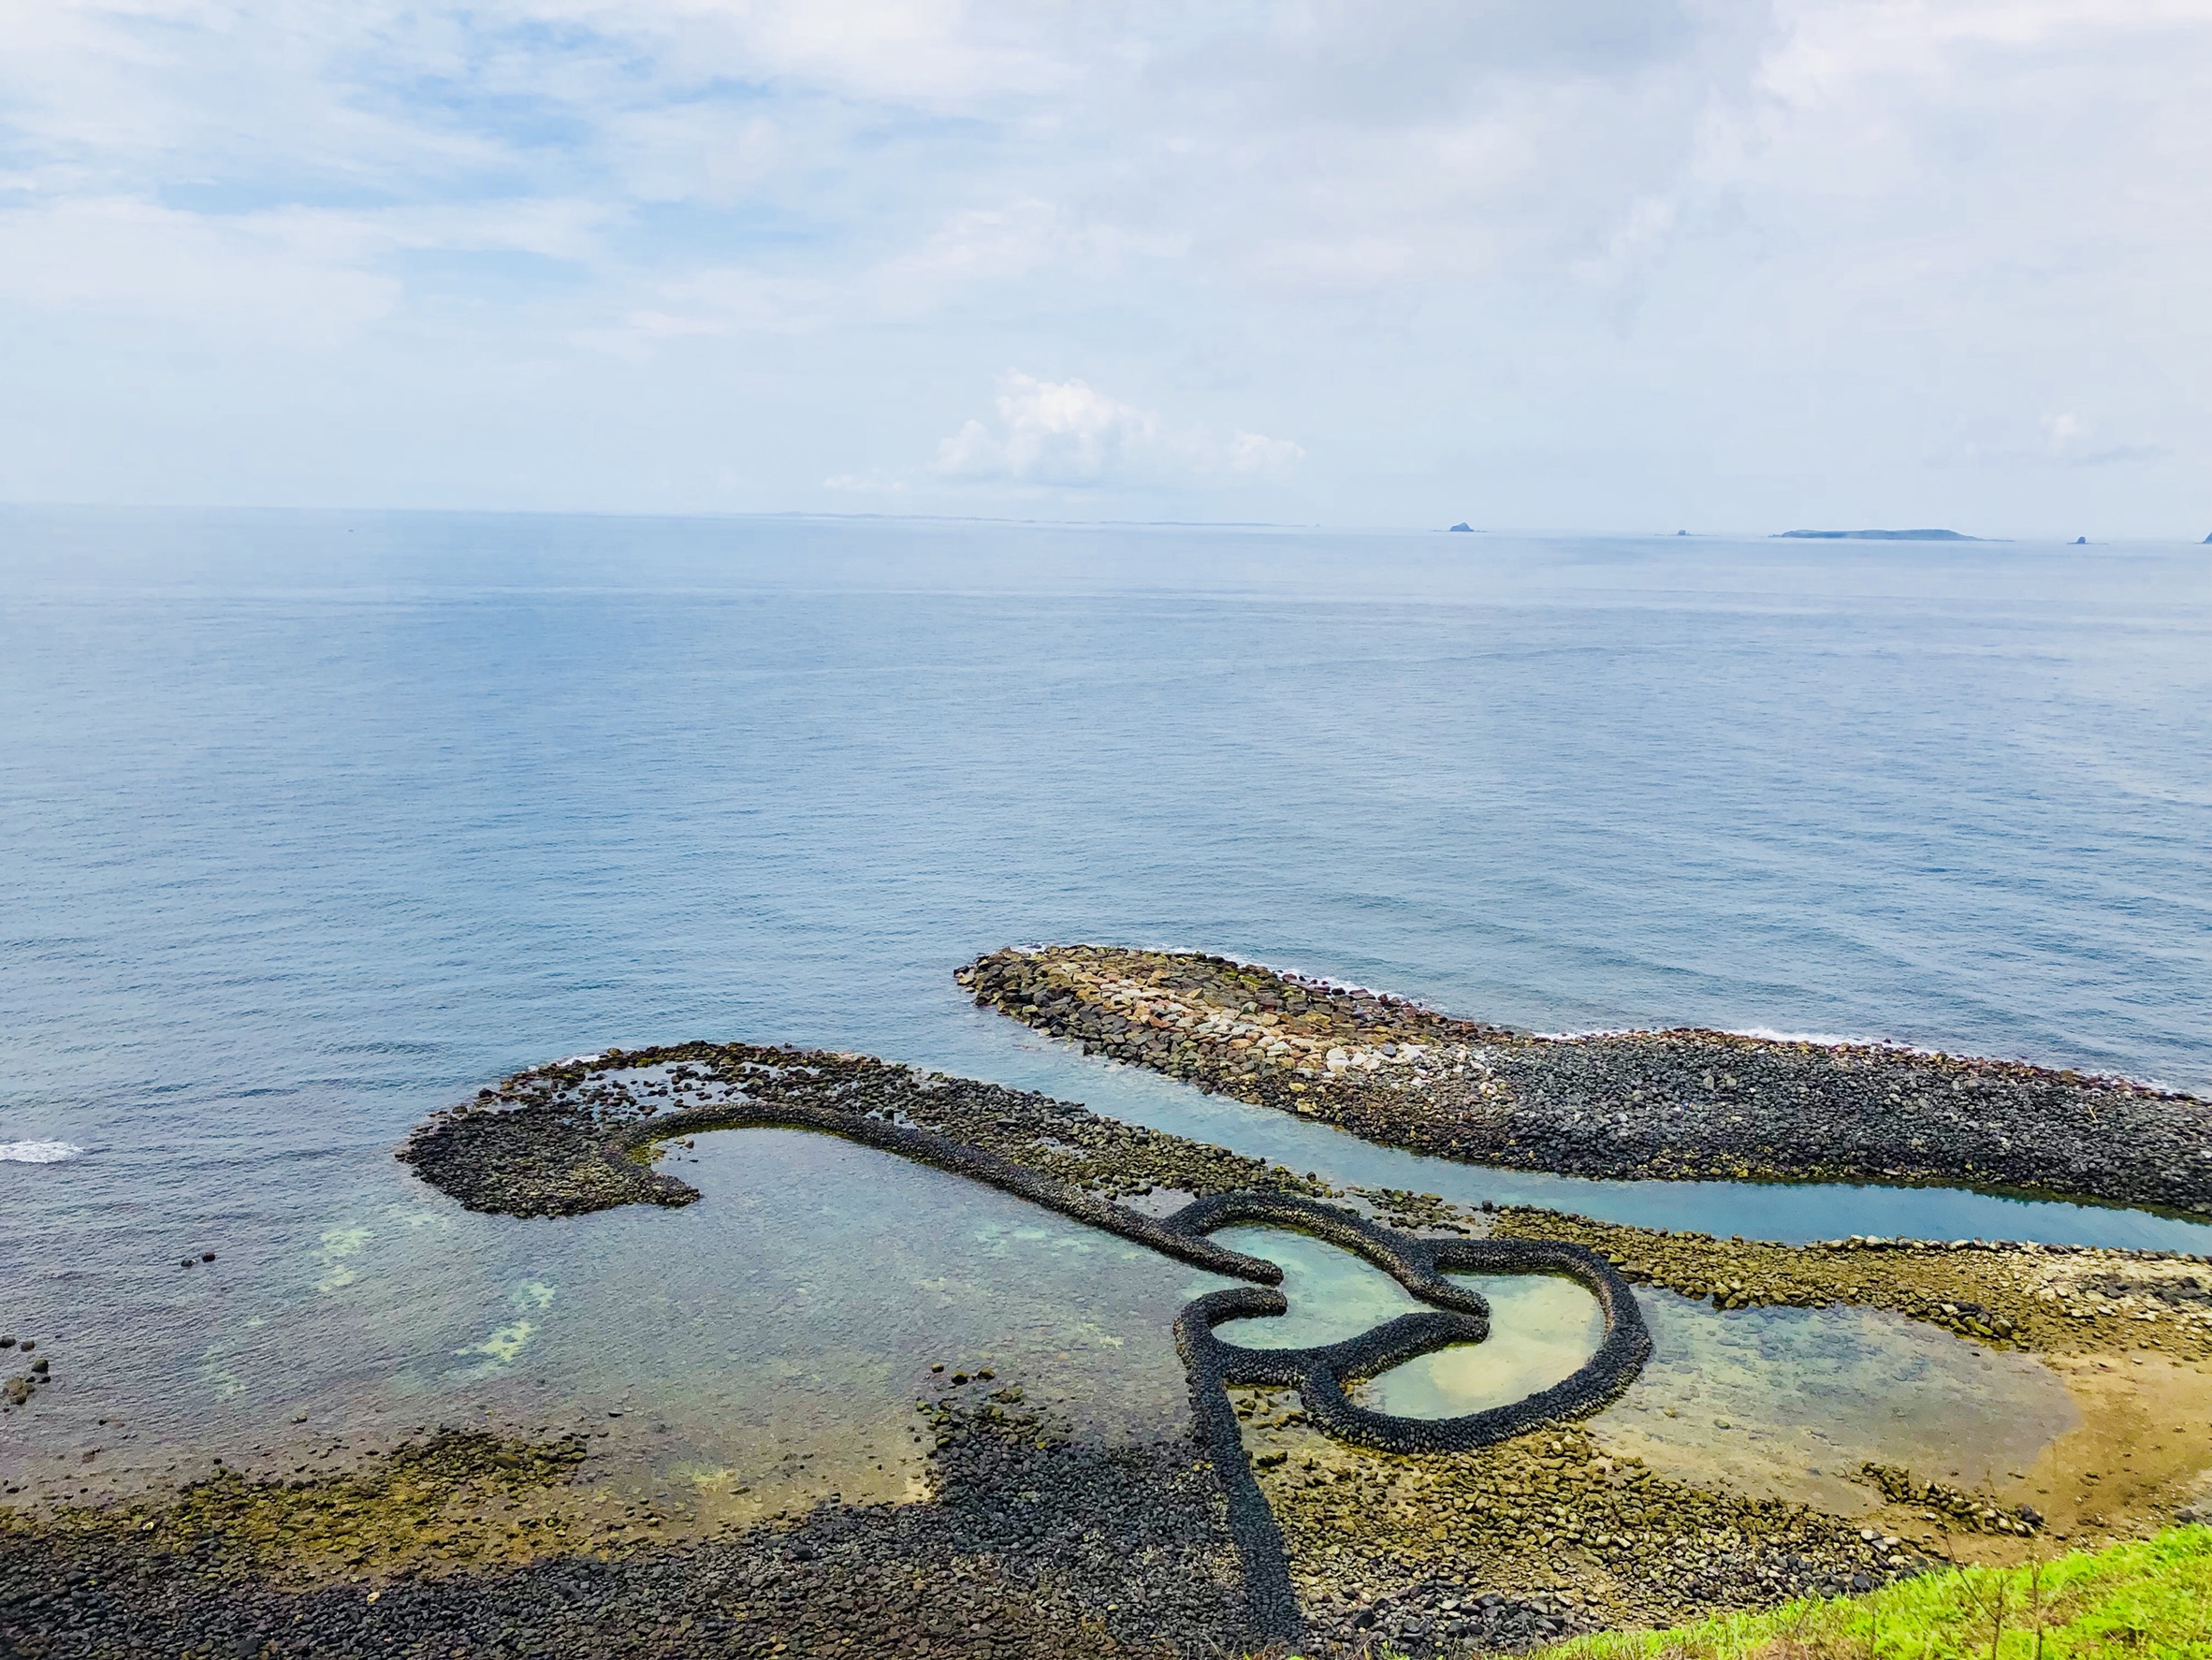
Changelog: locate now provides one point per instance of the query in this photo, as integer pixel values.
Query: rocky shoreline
(1033, 1543)
(1673, 1105)
(2049, 1300)
(1034, 1546)
(1541, 1537)
(578, 1136)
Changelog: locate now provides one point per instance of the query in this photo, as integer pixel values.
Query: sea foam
(39, 1152)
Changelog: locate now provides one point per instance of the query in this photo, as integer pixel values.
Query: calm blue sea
(309, 825)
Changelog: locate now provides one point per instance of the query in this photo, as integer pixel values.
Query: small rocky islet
(1678, 1105)
(1031, 1541)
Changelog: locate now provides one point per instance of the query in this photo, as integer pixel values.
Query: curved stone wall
(561, 1153)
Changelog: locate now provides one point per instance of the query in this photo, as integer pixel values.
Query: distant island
(1880, 536)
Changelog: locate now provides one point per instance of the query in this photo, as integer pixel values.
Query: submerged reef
(1668, 1105)
(453, 1496)
(574, 1137)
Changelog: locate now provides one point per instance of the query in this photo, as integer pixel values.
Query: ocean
(311, 823)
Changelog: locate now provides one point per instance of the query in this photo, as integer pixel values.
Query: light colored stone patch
(1305, 1041)
(502, 1345)
(336, 1245)
(2112, 1291)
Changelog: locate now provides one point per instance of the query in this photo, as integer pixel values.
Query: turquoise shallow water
(313, 824)
(1542, 1329)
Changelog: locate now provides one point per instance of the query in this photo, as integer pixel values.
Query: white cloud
(293, 275)
(297, 274)
(1591, 260)
(2065, 432)
(1069, 433)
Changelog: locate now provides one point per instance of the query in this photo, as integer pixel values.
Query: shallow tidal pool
(1542, 1327)
(1786, 1403)
(1791, 1402)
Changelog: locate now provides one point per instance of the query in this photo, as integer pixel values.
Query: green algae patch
(1548, 1517)
(499, 1349)
(455, 1497)
(2050, 1300)
(2150, 1597)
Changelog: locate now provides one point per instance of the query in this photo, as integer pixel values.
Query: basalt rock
(1556, 1536)
(1967, 1511)
(1674, 1105)
(580, 1135)
(1033, 1546)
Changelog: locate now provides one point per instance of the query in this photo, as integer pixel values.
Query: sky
(1606, 265)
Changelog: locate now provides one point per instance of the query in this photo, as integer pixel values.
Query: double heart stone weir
(547, 1143)
(1321, 1373)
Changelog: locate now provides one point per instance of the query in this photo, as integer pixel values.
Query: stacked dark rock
(1686, 1104)
(1036, 1545)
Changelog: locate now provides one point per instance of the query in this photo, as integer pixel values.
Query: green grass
(2148, 1598)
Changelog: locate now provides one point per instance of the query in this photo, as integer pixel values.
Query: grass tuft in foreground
(2151, 1599)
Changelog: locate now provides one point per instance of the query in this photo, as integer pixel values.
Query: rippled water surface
(309, 825)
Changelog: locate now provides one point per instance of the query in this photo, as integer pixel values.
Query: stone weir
(579, 1136)
(1683, 1104)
